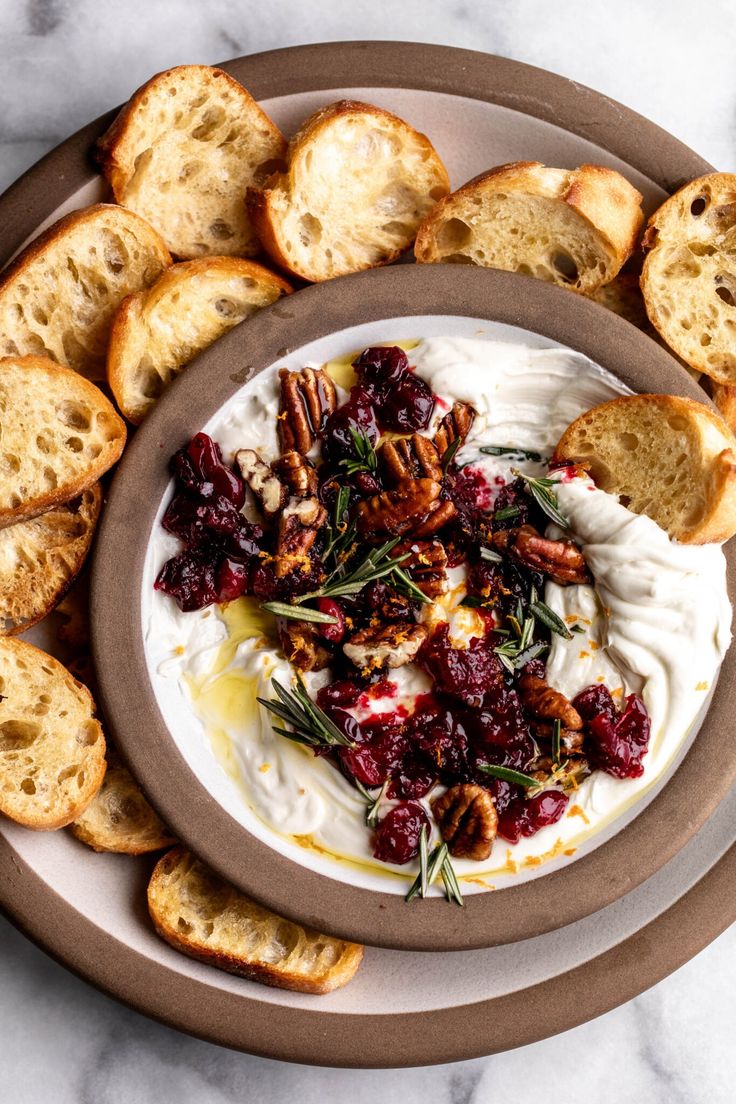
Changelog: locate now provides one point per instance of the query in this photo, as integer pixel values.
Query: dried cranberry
(375, 760)
(403, 401)
(332, 633)
(502, 792)
(190, 579)
(465, 673)
(380, 599)
(617, 744)
(398, 834)
(356, 414)
(201, 469)
(441, 738)
(366, 484)
(341, 694)
(413, 779)
(232, 580)
(500, 732)
(525, 817)
(595, 701)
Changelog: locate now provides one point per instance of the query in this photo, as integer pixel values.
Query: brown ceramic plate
(88, 910)
(199, 813)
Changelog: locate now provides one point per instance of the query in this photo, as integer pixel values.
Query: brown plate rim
(315, 1037)
(127, 698)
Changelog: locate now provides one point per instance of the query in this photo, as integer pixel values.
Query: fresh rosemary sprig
(310, 725)
(449, 454)
(548, 617)
(366, 460)
(341, 534)
(506, 774)
(511, 450)
(298, 613)
(373, 802)
(430, 865)
(506, 513)
(346, 582)
(542, 493)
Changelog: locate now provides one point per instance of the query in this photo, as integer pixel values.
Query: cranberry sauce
(402, 400)
(398, 834)
(616, 742)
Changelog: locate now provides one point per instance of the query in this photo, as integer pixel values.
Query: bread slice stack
(183, 151)
(574, 228)
(670, 458)
(358, 184)
(207, 919)
(158, 331)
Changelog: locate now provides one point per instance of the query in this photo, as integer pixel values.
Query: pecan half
(297, 473)
(271, 494)
(456, 423)
(385, 645)
(571, 739)
(412, 457)
(540, 699)
(302, 646)
(442, 514)
(425, 564)
(307, 399)
(398, 511)
(467, 820)
(299, 524)
(561, 560)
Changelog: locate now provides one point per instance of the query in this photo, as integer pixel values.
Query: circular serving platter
(403, 1008)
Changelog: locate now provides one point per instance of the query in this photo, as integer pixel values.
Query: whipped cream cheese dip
(656, 620)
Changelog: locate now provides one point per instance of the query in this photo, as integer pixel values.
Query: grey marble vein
(65, 61)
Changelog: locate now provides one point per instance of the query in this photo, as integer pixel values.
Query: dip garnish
(310, 725)
(432, 865)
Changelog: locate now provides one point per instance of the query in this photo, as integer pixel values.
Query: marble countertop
(66, 61)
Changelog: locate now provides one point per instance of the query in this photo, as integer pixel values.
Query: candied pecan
(540, 699)
(301, 645)
(271, 494)
(571, 739)
(425, 564)
(409, 458)
(398, 511)
(441, 515)
(467, 820)
(297, 473)
(307, 399)
(456, 423)
(385, 645)
(298, 527)
(561, 560)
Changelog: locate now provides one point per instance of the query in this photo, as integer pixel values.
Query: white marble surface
(65, 61)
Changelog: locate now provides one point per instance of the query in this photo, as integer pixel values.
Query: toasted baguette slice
(119, 818)
(52, 751)
(182, 153)
(670, 458)
(689, 274)
(724, 396)
(41, 558)
(58, 297)
(359, 183)
(205, 918)
(574, 228)
(59, 435)
(158, 331)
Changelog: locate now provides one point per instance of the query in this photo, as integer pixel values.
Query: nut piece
(385, 645)
(456, 423)
(307, 399)
(425, 564)
(442, 514)
(571, 739)
(298, 527)
(561, 560)
(539, 698)
(302, 646)
(398, 511)
(297, 473)
(412, 457)
(467, 820)
(267, 488)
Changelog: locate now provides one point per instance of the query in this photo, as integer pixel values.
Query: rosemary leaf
(310, 724)
(405, 585)
(511, 450)
(298, 613)
(346, 581)
(506, 513)
(366, 460)
(449, 454)
(372, 800)
(549, 618)
(556, 738)
(508, 775)
(491, 555)
(452, 886)
(423, 861)
(530, 653)
(543, 494)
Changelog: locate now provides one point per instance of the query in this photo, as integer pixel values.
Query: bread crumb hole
(220, 230)
(226, 308)
(73, 415)
(74, 444)
(88, 734)
(677, 422)
(725, 294)
(310, 229)
(16, 735)
(454, 234)
(28, 786)
(697, 206)
(566, 266)
(705, 340)
(184, 926)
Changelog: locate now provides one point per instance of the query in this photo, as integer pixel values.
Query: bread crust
(606, 202)
(118, 148)
(689, 271)
(29, 595)
(710, 450)
(119, 819)
(29, 810)
(65, 380)
(128, 345)
(177, 868)
(264, 203)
